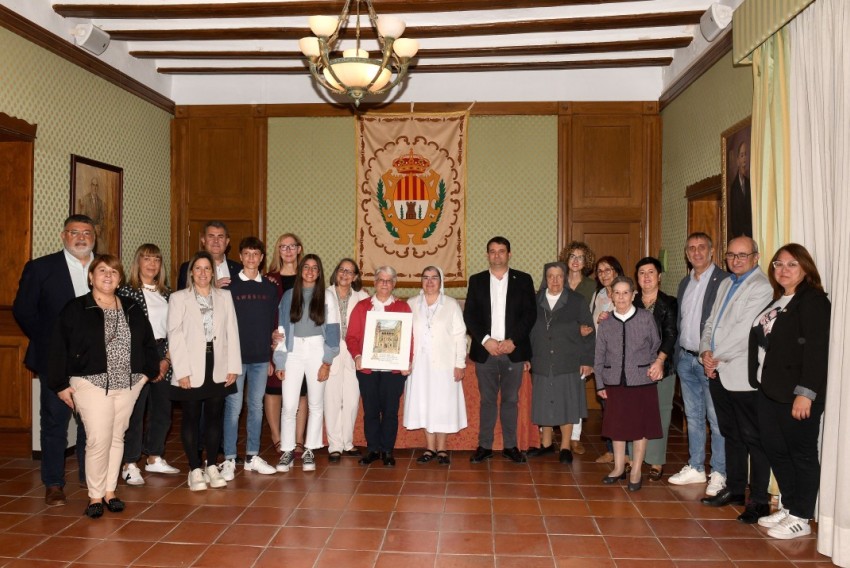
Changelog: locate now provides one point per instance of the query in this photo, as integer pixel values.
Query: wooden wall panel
(218, 172)
(16, 178)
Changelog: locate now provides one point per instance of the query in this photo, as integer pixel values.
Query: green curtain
(770, 175)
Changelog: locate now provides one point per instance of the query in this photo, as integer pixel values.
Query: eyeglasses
(431, 278)
(740, 256)
(289, 247)
(86, 234)
(790, 265)
(387, 282)
(345, 271)
(576, 257)
(309, 268)
(604, 270)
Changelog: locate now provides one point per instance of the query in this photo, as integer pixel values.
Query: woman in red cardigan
(380, 390)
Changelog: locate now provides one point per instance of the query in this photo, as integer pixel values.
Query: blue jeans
(257, 374)
(698, 408)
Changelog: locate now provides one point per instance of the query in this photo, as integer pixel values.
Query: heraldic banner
(411, 195)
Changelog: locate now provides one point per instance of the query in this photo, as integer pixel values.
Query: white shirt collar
(243, 278)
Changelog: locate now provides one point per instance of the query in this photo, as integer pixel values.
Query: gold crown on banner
(411, 163)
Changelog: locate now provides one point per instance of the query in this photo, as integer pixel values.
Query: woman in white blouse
(147, 287)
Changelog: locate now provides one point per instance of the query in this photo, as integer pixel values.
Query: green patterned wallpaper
(79, 113)
(513, 175)
(692, 125)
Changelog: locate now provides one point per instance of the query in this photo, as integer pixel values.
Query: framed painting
(96, 191)
(387, 341)
(737, 197)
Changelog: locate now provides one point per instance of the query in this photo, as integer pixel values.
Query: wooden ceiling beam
(548, 49)
(299, 8)
(420, 32)
(448, 68)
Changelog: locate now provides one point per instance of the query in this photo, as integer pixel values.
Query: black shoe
(94, 510)
(334, 457)
(389, 460)
(352, 453)
(443, 458)
(115, 505)
(635, 486)
(369, 458)
(753, 512)
(541, 451)
(565, 456)
(608, 480)
(514, 455)
(426, 457)
(725, 497)
(481, 454)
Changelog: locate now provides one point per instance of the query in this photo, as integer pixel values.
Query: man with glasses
(724, 351)
(215, 240)
(697, 292)
(47, 284)
(499, 314)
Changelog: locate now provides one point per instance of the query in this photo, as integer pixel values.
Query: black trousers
(737, 417)
(792, 450)
(380, 392)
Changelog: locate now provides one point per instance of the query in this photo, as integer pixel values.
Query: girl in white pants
(312, 343)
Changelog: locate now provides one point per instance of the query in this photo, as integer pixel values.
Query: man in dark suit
(740, 198)
(215, 240)
(47, 284)
(499, 314)
(697, 292)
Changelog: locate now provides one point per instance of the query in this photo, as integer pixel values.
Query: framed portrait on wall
(97, 190)
(737, 196)
(387, 341)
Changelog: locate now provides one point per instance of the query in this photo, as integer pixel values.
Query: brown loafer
(607, 457)
(54, 496)
(577, 447)
(656, 473)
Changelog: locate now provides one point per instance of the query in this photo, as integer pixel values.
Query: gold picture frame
(97, 191)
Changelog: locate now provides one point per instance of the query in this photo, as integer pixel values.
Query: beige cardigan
(187, 343)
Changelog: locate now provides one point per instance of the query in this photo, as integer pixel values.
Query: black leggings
(212, 410)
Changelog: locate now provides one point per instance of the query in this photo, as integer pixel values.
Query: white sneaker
(214, 477)
(687, 476)
(285, 461)
(258, 464)
(132, 475)
(228, 470)
(308, 461)
(159, 465)
(716, 482)
(790, 527)
(197, 481)
(771, 521)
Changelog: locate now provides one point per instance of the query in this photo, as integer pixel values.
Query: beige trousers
(105, 417)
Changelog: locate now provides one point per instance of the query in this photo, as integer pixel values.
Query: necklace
(430, 311)
(149, 287)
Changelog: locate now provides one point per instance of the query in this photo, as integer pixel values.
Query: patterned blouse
(117, 336)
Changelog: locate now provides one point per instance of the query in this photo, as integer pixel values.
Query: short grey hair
(624, 280)
(753, 244)
(387, 269)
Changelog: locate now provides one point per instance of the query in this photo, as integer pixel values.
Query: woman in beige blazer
(204, 344)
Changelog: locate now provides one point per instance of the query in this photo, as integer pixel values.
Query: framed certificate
(387, 341)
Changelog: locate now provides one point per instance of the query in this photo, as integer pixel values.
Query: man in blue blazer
(215, 241)
(696, 295)
(499, 314)
(46, 285)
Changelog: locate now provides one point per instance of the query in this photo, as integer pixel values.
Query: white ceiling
(606, 81)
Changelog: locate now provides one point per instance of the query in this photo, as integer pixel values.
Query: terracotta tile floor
(497, 514)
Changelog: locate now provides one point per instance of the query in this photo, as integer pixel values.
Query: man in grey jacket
(724, 353)
(696, 295)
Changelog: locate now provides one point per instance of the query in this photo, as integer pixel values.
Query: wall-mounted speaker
(91, 38)
(716, 19)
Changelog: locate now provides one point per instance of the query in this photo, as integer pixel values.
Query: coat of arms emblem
(411, 200)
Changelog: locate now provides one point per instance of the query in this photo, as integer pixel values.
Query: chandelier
(356, 74)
